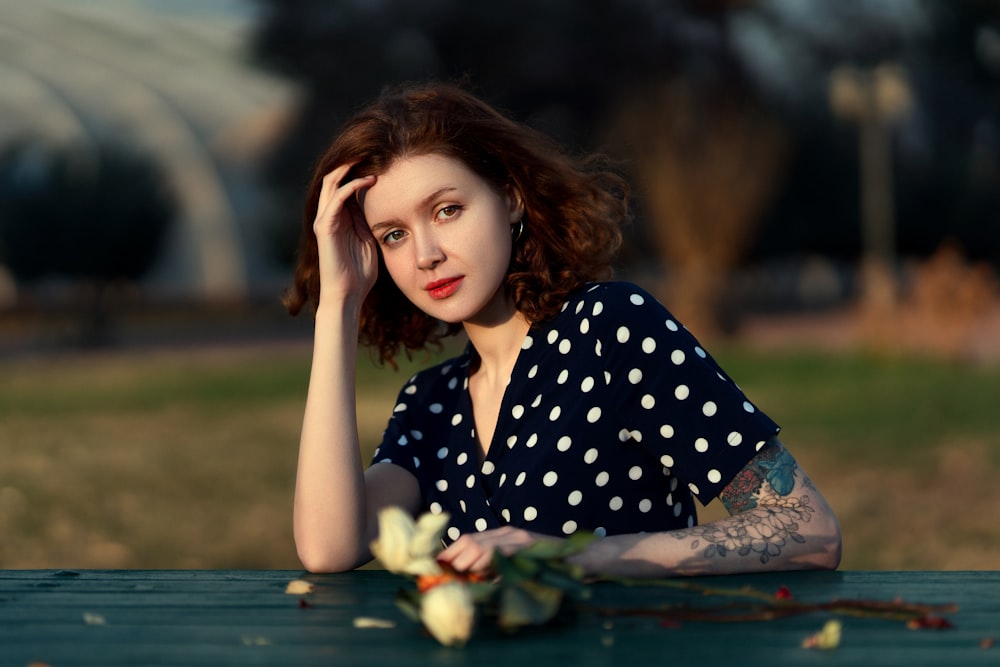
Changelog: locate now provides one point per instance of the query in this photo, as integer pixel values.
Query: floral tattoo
(758, 529)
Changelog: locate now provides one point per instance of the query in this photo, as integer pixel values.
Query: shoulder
(615, 301)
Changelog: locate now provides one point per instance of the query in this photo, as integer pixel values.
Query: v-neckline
(502, 410)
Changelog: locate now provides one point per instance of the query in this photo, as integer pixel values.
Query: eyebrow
(423, 203)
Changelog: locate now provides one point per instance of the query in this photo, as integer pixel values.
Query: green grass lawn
(186, 458)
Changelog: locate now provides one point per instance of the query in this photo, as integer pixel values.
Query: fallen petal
(93, 619)
(298, 587)
(826, 639)
(367, 622)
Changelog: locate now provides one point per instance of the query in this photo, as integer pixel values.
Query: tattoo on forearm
(762, 531)
(758, 528)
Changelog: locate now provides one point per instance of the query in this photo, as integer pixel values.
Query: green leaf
(528, 603)
(409, 603)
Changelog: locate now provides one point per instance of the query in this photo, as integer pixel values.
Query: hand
(473, 552)
(348, 255)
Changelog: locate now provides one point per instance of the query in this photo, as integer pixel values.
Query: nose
(429, 252)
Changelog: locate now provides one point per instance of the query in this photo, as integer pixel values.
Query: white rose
(448, 613)
(395, 532)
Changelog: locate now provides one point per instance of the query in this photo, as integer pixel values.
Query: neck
(497, 345)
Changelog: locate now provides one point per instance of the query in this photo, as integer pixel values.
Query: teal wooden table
(217, 618)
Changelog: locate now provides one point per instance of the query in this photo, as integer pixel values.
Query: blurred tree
(94, 214)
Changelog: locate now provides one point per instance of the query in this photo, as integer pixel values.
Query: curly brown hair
(573, 210)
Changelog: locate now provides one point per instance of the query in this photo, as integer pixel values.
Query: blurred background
(817, 196)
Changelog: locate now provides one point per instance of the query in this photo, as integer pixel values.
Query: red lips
(440, 289)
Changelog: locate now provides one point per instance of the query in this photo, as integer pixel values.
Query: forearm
(331, 531)
(770, 538)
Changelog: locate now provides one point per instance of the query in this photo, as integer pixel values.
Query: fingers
(335, 196)
(467, 555)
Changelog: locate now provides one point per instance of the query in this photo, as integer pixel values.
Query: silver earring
(516, 232)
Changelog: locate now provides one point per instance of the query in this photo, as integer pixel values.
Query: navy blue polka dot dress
(614, 419)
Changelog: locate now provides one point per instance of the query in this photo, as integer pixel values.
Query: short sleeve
(672, 398)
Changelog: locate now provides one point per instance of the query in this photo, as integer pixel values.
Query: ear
(515, 204)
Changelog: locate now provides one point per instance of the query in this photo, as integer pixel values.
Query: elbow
(325, 561)
(832, 547)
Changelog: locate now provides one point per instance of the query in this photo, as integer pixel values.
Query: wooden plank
(244, 618)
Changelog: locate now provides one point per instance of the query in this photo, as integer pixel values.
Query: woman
(578, 405)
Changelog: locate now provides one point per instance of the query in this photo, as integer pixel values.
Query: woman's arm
(778, 521)
(335, 501)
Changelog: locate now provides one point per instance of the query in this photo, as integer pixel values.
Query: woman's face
(445, 236)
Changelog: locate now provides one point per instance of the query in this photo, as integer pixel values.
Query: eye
(448, 212)
(393, 237)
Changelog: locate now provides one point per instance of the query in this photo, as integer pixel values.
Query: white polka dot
(488, 468)
(503, 478)
(533, 372)
(590, 456)
(480, 525)
(584, 326)
(607, 378)
(441, 484)
(667, 431)
(694, 489)
(562, 377)
(417, 435)
(456, 420)
(411, 390)
(443, 452)
(462, 458)
(528, 342)
(470, 481)
(517, 411)
(645, 505)
(554, 413)
(714, 476)
(616, 503)
(624, 435)
(760, 445)
(746, 406)
(677, 509)
(452, 383)
(505, 513)
(701, 444)
(416, 462)
(672, 325)
(569, 527)
(403, 440)
(601, 479)
(436, 508)
(574, 498)
(454, 533)
(623, 334)
(436, 408)
(637, 299)
(648, 345)
(600, 531)
(734, 438)
(400, 407)
(636, 435)
(648, 401)
(579, 307)
(635, 472)
(564, 443)
(667, 460)
(532, 441)
(587, 384)
(550, 478)
(530, 513)
(677, 356)
(565, 346)
(709, 409)
(635, 376)
(519, 480)
(597, 350)
(553, 336)
(598, 308)
(682, 392)
(511, 441)
(700, 352)
(593, 414)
